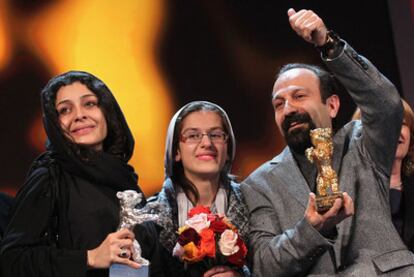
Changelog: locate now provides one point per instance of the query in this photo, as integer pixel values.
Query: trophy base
(121, 270)
(324, 203)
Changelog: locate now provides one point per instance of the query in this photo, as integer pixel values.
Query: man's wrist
(331, 46)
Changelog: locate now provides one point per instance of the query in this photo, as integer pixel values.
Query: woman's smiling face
(207, 157)
(80, 115)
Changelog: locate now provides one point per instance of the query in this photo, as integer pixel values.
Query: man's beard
(298, 139)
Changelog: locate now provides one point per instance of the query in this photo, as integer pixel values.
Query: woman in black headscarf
(66, 215)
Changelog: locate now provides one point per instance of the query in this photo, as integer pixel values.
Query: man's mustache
(295, 118)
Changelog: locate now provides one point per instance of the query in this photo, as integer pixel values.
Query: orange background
(156, 55)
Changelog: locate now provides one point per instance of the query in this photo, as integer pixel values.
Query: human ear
(333, 103)
(177, 157)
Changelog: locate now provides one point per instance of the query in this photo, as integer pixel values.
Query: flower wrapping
(211, 239)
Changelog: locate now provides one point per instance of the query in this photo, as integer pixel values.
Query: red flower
(189, 235)
(201, 244)
(199, 210)
(239, 258)
(218, 226)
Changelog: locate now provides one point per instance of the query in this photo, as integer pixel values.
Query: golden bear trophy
(327, 179)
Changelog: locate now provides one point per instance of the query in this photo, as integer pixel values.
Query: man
(288, 237)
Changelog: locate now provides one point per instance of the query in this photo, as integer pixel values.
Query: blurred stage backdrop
(156, 55)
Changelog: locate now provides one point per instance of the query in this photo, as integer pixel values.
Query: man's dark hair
(328, 84)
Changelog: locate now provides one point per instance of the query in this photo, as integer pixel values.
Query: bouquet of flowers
(210, 239)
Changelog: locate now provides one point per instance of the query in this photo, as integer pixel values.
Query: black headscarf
(108, 167)
(68, 203)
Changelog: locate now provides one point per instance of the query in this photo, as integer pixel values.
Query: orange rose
(192, 253)
(208, 243)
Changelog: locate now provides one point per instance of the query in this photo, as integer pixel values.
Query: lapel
(342, 141)
(337, 154)
(288, 174)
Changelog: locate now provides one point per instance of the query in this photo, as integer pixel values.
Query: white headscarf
(183, 203)
(169, 156)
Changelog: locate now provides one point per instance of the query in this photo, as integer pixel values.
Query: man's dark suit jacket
(283, 243)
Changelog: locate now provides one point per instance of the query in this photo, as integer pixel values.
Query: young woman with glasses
(200, 149)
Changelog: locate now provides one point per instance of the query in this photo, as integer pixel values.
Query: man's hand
(308, 25)
(339, 211)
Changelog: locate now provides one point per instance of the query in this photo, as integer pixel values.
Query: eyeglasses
(195, 136)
